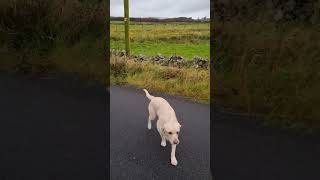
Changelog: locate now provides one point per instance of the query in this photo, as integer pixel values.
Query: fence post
(126, 26)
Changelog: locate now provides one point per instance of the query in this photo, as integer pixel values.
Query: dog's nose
(175, 141)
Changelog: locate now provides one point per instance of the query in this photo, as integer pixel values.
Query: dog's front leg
(163, 141)
(173, 155)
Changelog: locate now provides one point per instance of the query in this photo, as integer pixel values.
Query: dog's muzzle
(176, 141)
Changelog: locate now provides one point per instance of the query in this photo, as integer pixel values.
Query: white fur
(167, 124)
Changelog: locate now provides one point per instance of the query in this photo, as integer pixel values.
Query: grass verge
(49, 37)
(81, 60)
(269, 69)
(187, 82)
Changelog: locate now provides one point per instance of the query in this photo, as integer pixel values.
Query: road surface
(135, 151)
(244, 150)
(55, 129)
(241, 148)
(52, 129)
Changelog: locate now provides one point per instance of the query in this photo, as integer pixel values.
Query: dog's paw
(174, 161)
(163, 143)
(149, 126)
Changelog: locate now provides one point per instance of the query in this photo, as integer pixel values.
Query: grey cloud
(162, 8)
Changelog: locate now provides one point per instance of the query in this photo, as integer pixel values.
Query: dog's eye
(177, 132)
(170, 132)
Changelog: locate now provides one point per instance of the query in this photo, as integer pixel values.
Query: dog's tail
(148, 95)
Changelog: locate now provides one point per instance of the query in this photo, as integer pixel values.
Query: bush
(269, 68)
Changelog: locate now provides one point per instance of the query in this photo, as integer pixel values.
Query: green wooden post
(126, 25)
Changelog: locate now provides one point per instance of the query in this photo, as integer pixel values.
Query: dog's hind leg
(152, 116)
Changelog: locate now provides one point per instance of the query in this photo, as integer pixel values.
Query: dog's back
(160, 106)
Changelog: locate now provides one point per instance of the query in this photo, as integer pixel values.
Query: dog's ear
(165, 127)
(168, 127)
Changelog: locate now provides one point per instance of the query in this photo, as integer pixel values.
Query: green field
(184, 39)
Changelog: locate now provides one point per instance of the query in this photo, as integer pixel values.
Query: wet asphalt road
(52, 129)
(242, 150)
(135, 151)
(55, 129)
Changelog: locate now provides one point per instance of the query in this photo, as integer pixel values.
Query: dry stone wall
(174, 60)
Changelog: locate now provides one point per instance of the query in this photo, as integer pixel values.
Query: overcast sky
(162, 8)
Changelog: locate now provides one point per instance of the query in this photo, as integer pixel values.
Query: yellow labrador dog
(167, 124)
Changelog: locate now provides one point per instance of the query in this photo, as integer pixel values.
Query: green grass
(184, 39)
(167, 49)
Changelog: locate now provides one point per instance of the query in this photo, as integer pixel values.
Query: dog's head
(172, 130)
